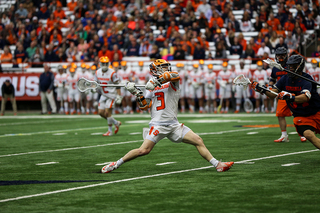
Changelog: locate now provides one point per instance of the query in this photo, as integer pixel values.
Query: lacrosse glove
(286, 96)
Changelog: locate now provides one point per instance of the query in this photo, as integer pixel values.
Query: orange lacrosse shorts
(283, 109)
(312, 120)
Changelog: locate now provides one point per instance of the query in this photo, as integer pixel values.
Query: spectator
(274, 40)
(199, 52)
(273, 22)
(220, 51)
(115, 50)
(249, 52)
(204, 7)
(281, 43)
(20, 55)
(238, 4)
(133, 48)
(281, 32)
(37, 58)
(242, 41)
(43, 12)
(21, 12)
(4, 19)
(309, 22)
(50, 55)
(7, 91)
(245, 24)
(179, 53)
(291, 41)
(82, 45)
(32, 49)
(263, 49)
(258, 24)
(6, 56)
(317, 52)
(145, 48)
(172, 26)
(155, 54)
(215, 21)
(103, 51)
(236, 48)
(167, 52)
(72, 5)
(235, 23)
(59, 13)
(46, 81)
(62, 57)
(289, 24)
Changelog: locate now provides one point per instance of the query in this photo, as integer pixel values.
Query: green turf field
(283, 178)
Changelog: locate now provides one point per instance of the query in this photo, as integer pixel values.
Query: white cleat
(109, 168)
(282, 139)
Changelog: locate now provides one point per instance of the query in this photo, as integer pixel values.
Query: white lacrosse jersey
(59, 79)
(164, 109)
(243, 71)
(269, 71)
(315, 73)
(142, 76)
(226, 76)
(210, 77)
(109, 77)
(90, 76)
(260, 76)
(196, 76)
(124, 75)
(72, 82)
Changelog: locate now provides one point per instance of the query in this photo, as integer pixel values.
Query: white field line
(59, 131)
(161, 164)
(40, 164)
(32, 122)
(137, 116)
(102, 164)
(142, 177)
(86, 147)
(290, 164)
(68, 149)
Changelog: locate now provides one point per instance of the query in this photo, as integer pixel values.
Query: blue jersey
(296, 86)
(276, 74)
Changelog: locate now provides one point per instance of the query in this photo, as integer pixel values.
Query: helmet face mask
(281, 55)
(159, 66)
(296, 64)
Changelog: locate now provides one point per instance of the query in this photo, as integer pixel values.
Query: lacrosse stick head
(84, 85)
(241, 80)
(247, 105)
(273, 64)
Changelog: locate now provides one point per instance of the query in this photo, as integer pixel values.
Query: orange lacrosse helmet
(104, 63)
(201, 62)
(83, 65)
(123, 63)
(259, 63)
(210, 66)
(195, 65)
(115, 64)
(140, 63)
(93, 67)
(159, 66)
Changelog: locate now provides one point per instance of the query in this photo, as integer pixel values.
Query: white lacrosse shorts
(105, 103)
(174, 132)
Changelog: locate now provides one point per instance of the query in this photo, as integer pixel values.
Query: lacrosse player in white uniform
(90, 94)
(195, 81)
(162, 98)
(210, 89)
(60, 81)
(225, 78)
(109, 95)
(83, 95)
(314, 71)
(182, 84)
(124, 74)
(73, 93)
(260, 76)
(241, 92)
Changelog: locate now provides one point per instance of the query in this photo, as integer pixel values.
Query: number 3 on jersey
(160, 97)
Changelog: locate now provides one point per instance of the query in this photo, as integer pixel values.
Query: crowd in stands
(84, 30)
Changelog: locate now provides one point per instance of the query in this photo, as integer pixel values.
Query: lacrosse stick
(276, 65)
(242, 80)
(85, 84)
(222, 85)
